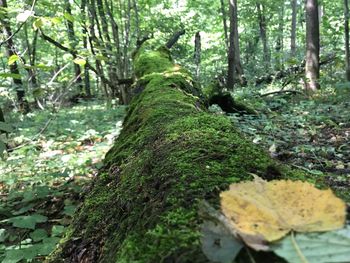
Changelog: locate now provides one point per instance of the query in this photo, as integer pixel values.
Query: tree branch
(175, 38)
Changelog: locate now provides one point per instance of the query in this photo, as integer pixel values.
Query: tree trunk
(263, 35)
(170, 154)
(238, 65)
(73, 45)
(312, 67)
(2, 117)
(346, 31)
(197, 55)
(294, 27)
(10, 50)
(231, 49)
(280, 43)
(224, 21)
(83, 8)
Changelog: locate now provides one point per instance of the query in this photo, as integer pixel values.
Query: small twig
(281, 92)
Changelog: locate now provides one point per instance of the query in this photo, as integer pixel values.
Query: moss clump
(170, 154)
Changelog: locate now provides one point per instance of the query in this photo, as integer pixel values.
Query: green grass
(44, 175)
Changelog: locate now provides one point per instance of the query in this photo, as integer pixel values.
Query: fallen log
(171, 153)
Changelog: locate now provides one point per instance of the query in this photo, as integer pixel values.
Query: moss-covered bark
(170, 154)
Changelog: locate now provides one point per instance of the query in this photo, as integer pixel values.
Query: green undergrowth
(170, 154)
(309, 133)
(51, 159)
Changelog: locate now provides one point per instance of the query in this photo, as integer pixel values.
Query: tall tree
(346, 31)
(11, 52)
(197, 54)
(234, 57)
(231, 49)
(224, 21)
(280, 38)
(293, 28)
(263, 34)
(73, 43)
(312, 66)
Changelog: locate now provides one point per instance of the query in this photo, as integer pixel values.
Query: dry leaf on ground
(272, 209)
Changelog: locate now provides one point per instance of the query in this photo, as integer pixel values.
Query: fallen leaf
(272, 209)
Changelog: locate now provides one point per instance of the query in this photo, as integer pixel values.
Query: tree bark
(346, 32)
(263, 35)
(197, 54)
(170, 154)
(231, 57)
(312, 67)
(280, 40)
(10, 50)
(83, 8)
(73, 44)
(224, 21)
(293, 27)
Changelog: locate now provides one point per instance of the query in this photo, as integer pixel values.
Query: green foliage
(41, 194)
(327, 247)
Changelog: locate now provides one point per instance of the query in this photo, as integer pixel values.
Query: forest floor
(310, 134)
(44, 177)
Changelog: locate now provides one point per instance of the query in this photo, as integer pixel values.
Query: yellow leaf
(272, 209)
(80, 61)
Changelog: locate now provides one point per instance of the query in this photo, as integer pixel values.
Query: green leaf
(28, 222)
(13, 256)
(218, 244)
(48, 245)
(10, 75)
(38, 23)
(38, 234)
(100, 57)
(12, 59)
(56, 20)
(23, 210)
(323, 247)
(57, 230)
(69, 17)
(5, 127)
(80, 61)
(3, 235)
(69, 210)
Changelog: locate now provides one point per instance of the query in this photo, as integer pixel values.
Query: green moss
(170, 154)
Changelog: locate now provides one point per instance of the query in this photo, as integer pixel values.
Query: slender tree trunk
(312, 68)
(137, 19)
(346, 31)
(263, 34)
(294, 28)
(224, 21)
(87, 85)
(231, 49)
(238, 63)
(280, 42)
(2, 118)
(197, 54)
(10, 50)
(93, 21)
(73, 43)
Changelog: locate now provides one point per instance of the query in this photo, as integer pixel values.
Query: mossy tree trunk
(170, 154)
